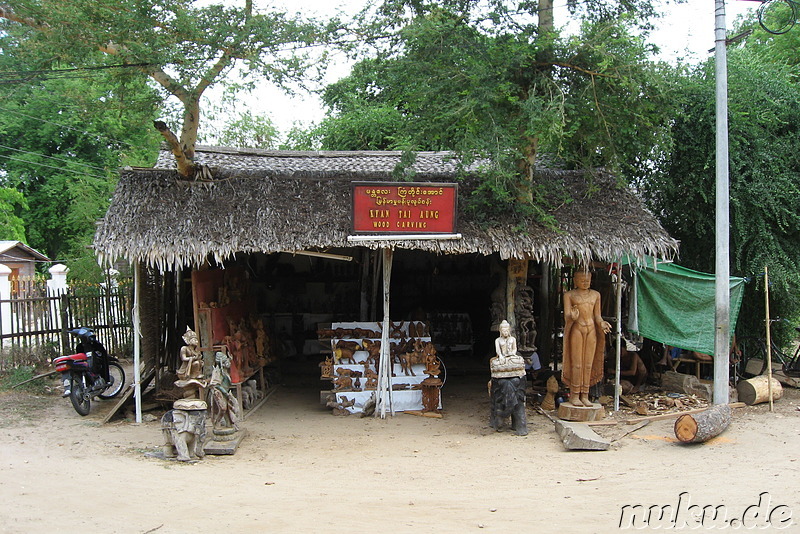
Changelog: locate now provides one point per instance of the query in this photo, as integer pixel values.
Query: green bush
(12, 377)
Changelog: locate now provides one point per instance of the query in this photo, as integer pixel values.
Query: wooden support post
(618, 334)
(384, 391)
(517, 276)
(702, 426)
(365, 279)
(769, 338)
(545, 340)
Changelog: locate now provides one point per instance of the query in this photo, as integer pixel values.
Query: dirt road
(303, 470)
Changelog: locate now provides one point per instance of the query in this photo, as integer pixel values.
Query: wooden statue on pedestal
(190, 372)
(584, 349)
(508, 384)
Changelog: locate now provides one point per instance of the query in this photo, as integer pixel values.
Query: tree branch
(185, 165)
(7, 13)
(213, 72)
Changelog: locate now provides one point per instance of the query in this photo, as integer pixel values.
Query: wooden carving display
(374, 350)
(413, 357)
(340, 406)
(396, 330)
(372, 379)
(326, 368)
(584, 340)
(430, 394)
(343, 382)
(355, 359)
(549, 402)
(345, 350)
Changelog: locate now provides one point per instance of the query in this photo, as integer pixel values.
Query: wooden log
(702, 426)
(689, 384)
(755, 390)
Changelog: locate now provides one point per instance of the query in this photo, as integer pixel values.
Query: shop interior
(294, 297)
(287, 303)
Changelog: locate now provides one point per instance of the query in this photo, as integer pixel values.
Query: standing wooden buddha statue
(584, 339)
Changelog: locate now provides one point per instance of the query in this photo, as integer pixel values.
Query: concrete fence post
(57, 284)
(56, 288)
(5, 302)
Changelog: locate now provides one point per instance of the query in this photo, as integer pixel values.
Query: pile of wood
(660, 403)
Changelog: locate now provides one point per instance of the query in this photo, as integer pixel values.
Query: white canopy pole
(384, 394)
(137, 343)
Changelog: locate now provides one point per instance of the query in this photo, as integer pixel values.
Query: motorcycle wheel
(117, 375)
(78, 397)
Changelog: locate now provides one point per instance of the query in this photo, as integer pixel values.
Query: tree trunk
(546, 21)
(756, 390)
(689, 384)
(700, 427)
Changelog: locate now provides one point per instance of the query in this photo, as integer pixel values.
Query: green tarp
(675, 306)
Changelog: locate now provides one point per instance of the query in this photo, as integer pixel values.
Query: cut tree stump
(569, 412)
(756, 390)
(702, 426)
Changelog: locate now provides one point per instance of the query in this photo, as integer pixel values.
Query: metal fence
(41, 324)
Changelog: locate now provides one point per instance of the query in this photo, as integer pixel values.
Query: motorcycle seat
(63, 363)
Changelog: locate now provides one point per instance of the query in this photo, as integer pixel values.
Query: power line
(74, 69)
(97, 137)
(51, 167)
(53, 157)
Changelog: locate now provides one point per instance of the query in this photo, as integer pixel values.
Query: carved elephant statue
(508, 399)
(184, 433)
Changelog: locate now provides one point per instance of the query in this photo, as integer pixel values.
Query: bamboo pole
(769, 337)
(384, 392)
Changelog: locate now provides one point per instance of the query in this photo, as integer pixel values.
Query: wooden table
(677, 361)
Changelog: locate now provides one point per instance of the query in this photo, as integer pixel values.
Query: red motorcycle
(90, 372)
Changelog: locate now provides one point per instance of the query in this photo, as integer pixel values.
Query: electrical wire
(96, 137)
(56, 168)
(73, 69)
(54, 157)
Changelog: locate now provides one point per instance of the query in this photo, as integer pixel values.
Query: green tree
(64, 133)
(764, 128)
(182, 45)
(484, 80)
(12, 206)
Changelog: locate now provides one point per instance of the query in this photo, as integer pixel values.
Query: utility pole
(722, 338)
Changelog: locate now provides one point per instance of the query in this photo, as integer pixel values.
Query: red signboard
(407, 208)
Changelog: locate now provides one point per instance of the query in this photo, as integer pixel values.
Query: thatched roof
(270, 201)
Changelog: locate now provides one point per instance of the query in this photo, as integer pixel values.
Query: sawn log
(756, 390)
(702, 426)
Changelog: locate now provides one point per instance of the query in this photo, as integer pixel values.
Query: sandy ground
(303, 470)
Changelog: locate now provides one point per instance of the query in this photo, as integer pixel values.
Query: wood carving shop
(305, 267)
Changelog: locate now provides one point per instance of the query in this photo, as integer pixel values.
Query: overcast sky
(687, 33)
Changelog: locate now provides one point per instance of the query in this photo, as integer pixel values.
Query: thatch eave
(162, 221)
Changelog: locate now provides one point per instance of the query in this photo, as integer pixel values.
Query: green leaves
(479, 79)
(764, 128)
